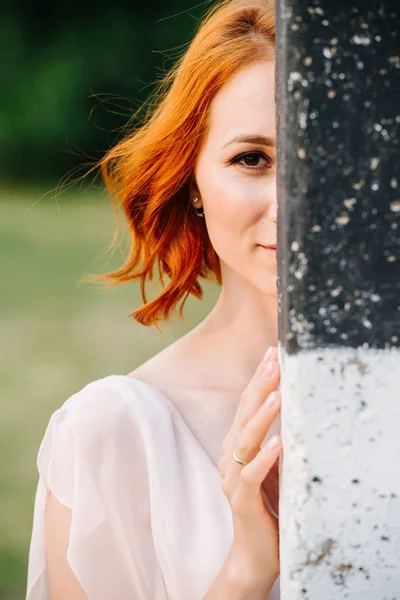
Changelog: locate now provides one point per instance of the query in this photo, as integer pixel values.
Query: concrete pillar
(338, 112)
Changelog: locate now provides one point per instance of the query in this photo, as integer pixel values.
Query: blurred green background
(72, 76)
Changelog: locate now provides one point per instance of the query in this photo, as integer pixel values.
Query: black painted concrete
(338, 120)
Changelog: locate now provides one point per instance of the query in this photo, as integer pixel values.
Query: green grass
(57, 335)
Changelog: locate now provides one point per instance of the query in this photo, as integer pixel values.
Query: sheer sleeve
(93, 459)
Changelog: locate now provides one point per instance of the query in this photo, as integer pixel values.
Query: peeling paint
(339, 502)
(395, 206)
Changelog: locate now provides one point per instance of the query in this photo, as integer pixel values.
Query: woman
(159, 484)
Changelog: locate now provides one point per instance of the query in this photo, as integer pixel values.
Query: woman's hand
(255, 549)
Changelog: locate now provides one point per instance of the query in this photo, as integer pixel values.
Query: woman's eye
(252, 160)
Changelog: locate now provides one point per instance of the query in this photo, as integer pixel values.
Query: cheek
(232, 205)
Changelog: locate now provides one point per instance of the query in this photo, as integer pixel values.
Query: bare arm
(252, 565)
(231, 584)
(228, 585)
(63, 583)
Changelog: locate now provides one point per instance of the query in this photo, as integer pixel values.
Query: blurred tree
(73, 73)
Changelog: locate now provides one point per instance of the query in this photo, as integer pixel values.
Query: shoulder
(175, 371)
(101, 430)
(110, 408)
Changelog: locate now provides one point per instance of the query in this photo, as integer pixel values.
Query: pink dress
(149, 518)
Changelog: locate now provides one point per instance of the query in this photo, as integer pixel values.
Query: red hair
(149, 171)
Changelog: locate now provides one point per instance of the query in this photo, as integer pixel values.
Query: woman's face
(235, 177)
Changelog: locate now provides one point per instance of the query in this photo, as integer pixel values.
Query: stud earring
(200, 211)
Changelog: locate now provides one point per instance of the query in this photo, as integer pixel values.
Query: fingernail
(273, 442)
(268, 354)
(271, 399)
(269, 369)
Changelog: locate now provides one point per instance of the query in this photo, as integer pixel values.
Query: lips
(270, 247)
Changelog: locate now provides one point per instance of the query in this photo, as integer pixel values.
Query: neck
(238, 331)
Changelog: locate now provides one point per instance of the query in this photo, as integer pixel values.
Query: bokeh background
(72, 76)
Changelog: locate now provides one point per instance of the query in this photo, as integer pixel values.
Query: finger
(270, 355)
(253, 474)
(249, 405)
(234, 471)
(262, 384)
(248, 443)
(250, 439)
(253, 397)
(258, 377)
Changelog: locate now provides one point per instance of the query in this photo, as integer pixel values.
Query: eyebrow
(252, 139)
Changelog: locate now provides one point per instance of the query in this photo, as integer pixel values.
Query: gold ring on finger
(238, 459)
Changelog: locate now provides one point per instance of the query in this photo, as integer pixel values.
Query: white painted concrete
(340, 423)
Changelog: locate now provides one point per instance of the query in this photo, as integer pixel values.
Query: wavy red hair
(149, 171)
